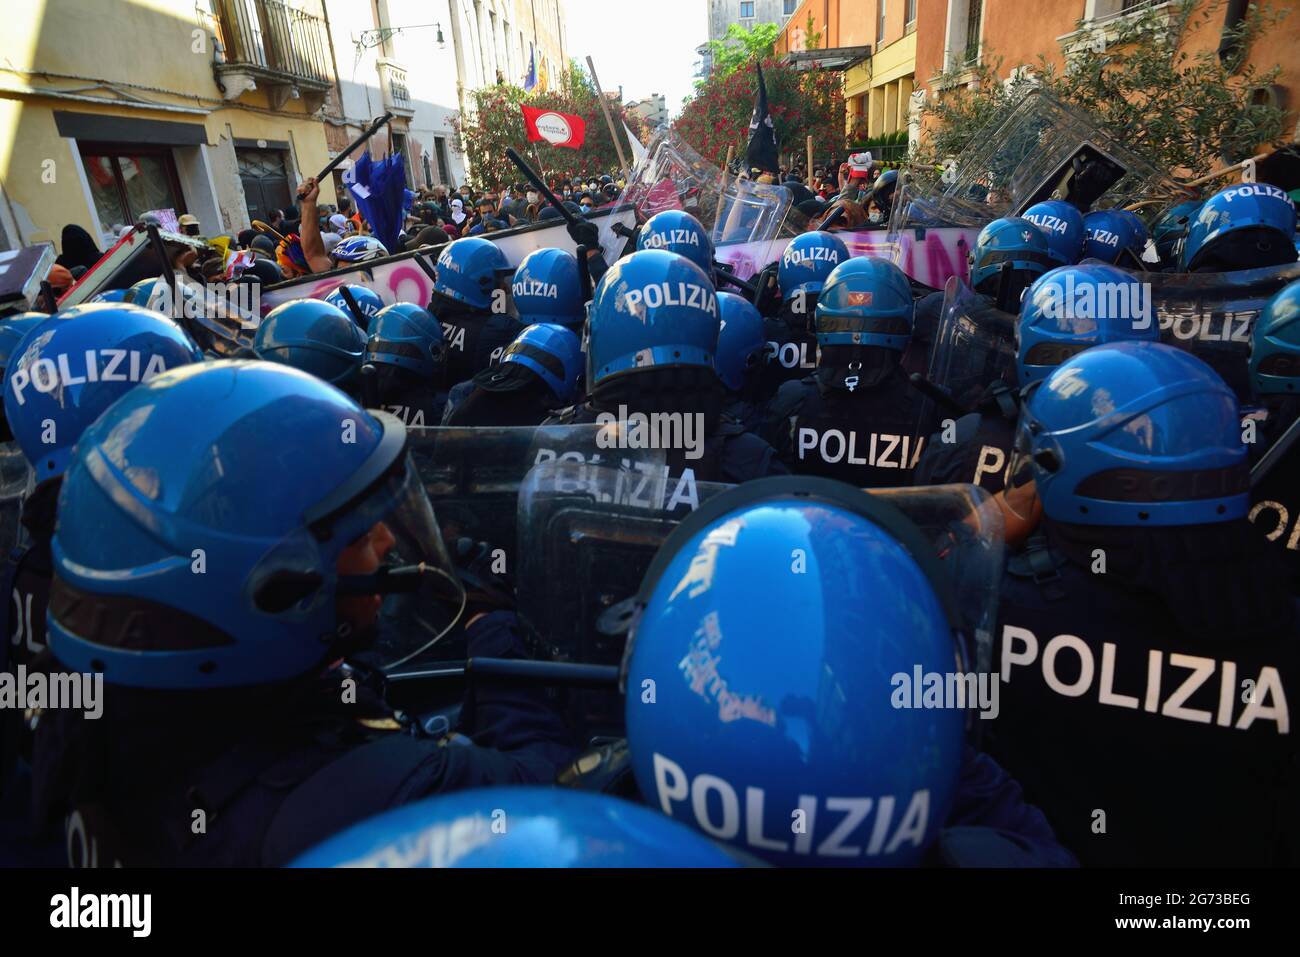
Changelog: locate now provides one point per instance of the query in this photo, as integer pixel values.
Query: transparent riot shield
(587, 536)
(1213, 315)
(15, 483)
(473, 476)
(743, 217)
(1042, 149)
(974, 346)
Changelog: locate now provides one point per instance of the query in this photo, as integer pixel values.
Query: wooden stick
(722, 180)
(609, 120)
(808, 172)
(1226, 170)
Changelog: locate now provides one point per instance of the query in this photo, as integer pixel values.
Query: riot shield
(15, 483)
(742, 217)
(1042, 149)
(473, 475)
(587, 534)
(974, 346)
(601, 529)
(1212, 315)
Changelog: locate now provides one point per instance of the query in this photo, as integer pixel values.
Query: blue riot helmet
(548, 288)
(676, 231)
(865, 302)
(1169, 229)
(651, 309)
(518, 827)
(404, 356)
(358, 249)
(314, 336)
(1073, 308)
(742, 344)
(807, 262)
(1062, 224)
(1014, 241)
(1245, 226)
(1133, 434)
(468, 271)
(367, 301)
(1275, 344)
(1106, 235)
(1139, 235)
(192, 472)
(748, 727)
(72, 366)
(552, 352)
(156, 293)
(12, 330)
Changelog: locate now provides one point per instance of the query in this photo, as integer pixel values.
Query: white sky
(648, 46)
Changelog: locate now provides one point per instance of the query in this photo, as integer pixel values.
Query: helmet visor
(414, 593)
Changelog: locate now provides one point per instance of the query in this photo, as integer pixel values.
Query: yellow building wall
(156, 50)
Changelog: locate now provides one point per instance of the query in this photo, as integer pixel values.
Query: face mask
(876, 217)
(586, 207)
(532, 198)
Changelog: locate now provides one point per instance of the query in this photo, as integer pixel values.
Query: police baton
(515, 671)
(1275, 453)
(370, 131)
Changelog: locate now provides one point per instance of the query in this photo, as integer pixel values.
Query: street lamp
(372, 38)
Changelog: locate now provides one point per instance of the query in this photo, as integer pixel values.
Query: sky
(648, 46)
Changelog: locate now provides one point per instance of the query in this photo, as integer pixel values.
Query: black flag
(762, 152)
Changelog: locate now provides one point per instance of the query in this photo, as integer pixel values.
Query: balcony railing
(392, 80)
(273, 38)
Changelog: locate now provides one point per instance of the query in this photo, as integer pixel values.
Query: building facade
(220, 108)
(653, 109)
(918, 46)
(878, 89)
(207, 109)
(744, 13)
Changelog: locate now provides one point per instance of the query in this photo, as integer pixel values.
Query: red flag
(550, 126)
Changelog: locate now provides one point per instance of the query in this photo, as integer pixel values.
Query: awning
(838, 58)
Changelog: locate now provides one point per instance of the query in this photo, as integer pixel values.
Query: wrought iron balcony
(274, 44)
(392, 81)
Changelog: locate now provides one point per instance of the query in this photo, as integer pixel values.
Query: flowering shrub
(497, 122)
(801, 103)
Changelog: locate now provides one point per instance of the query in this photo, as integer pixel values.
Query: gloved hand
(584, 233)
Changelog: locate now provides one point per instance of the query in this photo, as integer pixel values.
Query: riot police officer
(1245, 226)
(791, 339)
(856, 418)
(214, 614)
(742, 359)
(651, 361)
(404, 365)
(1069, 309)
(1275, 377)
(1146, 638)
(537, 374)
(63, 373)
(316, 337)
(469, 299)
(746, 730)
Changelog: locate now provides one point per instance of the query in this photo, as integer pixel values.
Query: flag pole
(722, 180)
(609, 120)
(808, 172)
